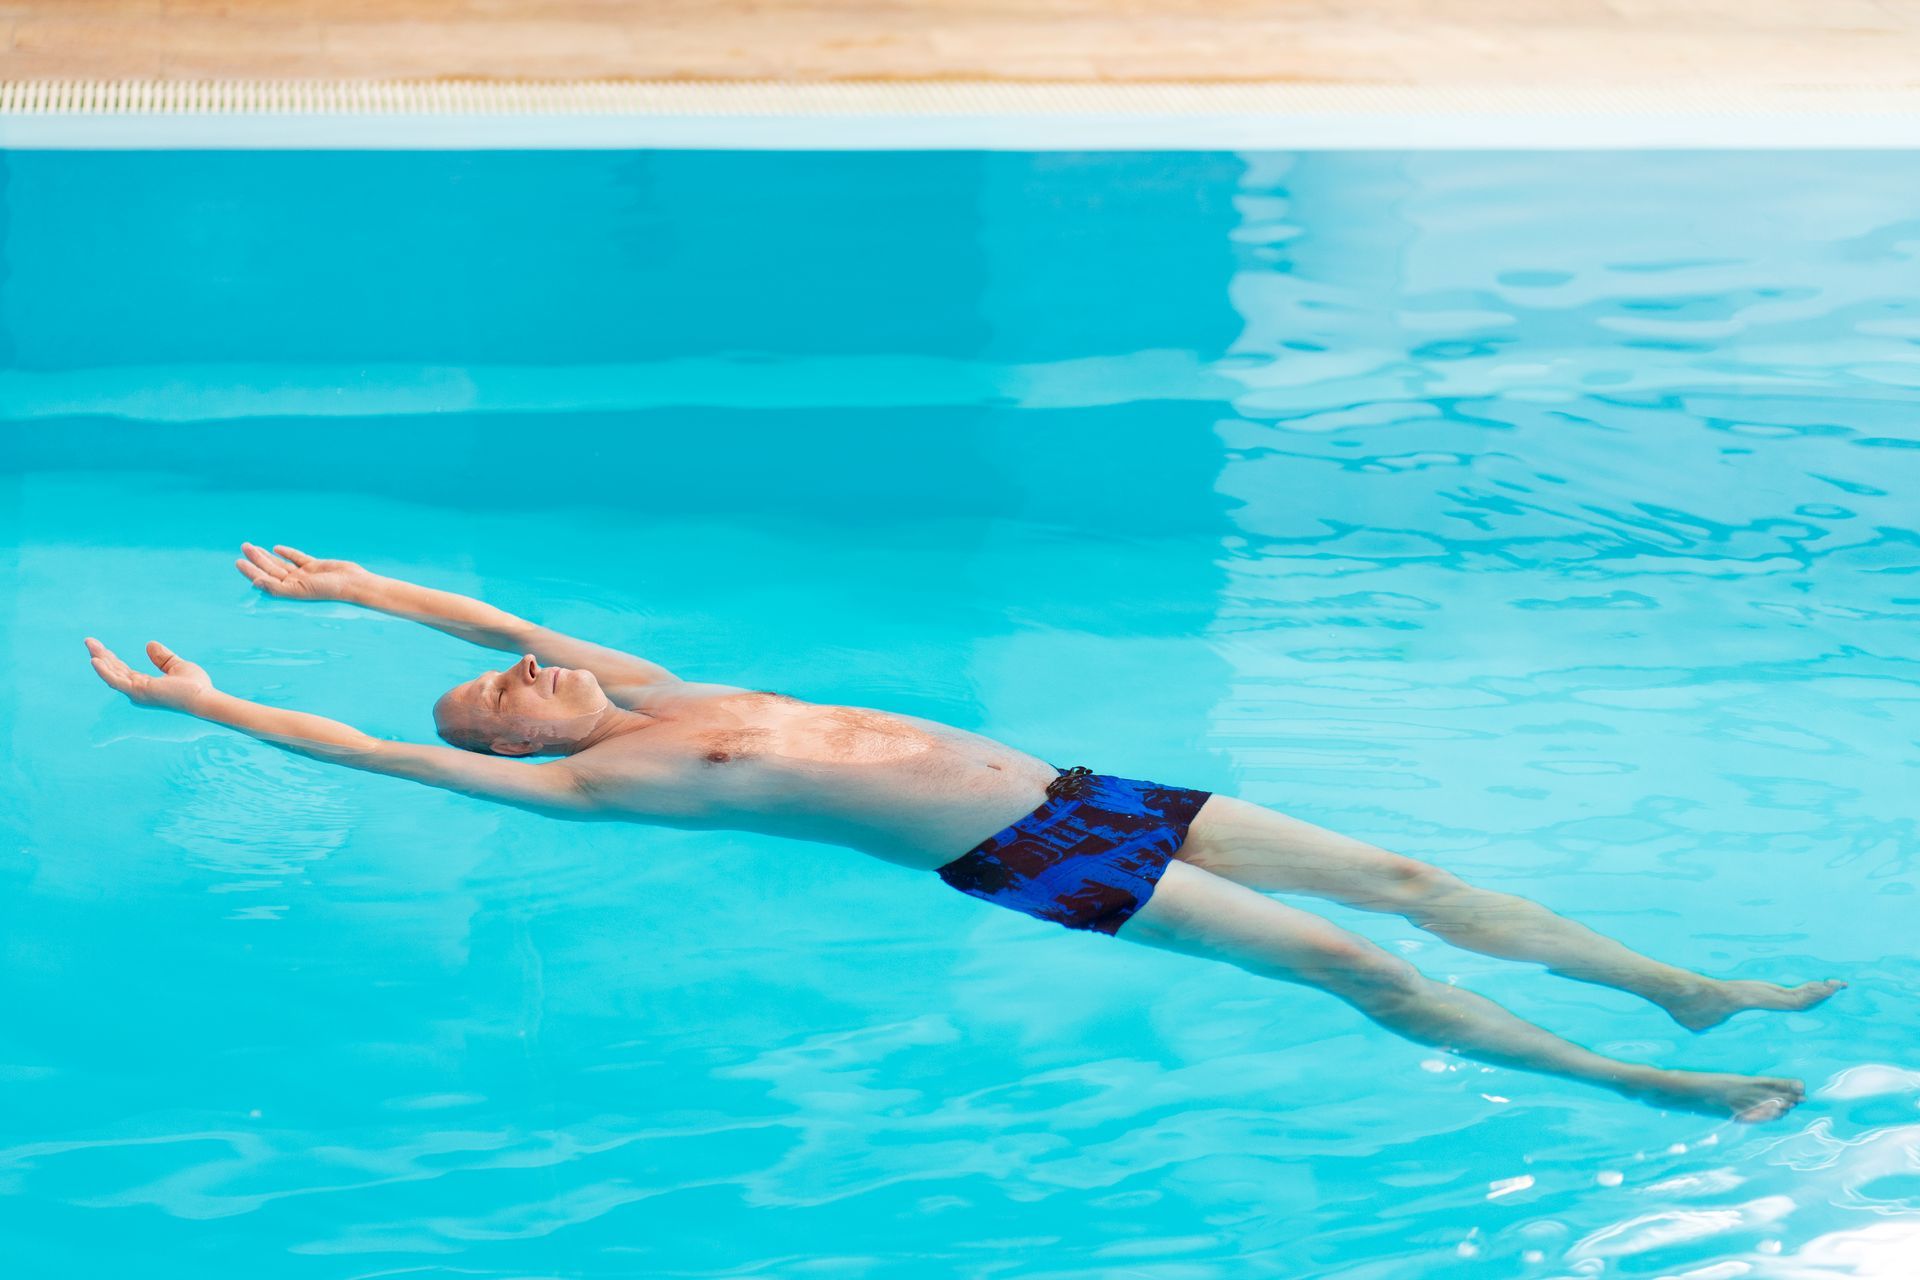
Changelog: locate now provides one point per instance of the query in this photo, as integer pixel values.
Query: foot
(1748, 1099)
(1716, 1001)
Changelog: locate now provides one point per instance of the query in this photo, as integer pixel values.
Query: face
(525, 709)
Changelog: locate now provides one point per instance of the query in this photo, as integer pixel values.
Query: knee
(1411, 885)
(1368, 977)
(1394, 984)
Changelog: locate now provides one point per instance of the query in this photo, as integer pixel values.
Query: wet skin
(623, 738)
(710, 755)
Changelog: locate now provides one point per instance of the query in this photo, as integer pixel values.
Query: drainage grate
(910, 98)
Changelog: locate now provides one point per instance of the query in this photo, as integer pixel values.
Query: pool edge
(511, 114)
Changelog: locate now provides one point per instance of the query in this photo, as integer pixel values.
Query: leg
(1267, 850)
(1198, 913)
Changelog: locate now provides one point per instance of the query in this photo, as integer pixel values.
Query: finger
(116, 675)
(255, 575)
(294, 554)
(267, 563)
(107, 665)
(102, 654)
(275, 568)
(161, 656)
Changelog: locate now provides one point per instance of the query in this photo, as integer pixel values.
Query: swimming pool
(1548, 516)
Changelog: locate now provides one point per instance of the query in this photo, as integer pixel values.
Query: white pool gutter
(496, 115)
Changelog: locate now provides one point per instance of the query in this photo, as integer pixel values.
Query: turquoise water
(1547, 516)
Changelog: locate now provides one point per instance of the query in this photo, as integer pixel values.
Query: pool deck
(1696, 44)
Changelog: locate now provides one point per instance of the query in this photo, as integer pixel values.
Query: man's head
(525, 710)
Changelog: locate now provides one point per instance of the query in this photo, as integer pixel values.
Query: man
(1166, 866)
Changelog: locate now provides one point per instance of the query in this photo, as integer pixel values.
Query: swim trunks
(1089, 857)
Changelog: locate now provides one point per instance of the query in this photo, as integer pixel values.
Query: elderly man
(1166, 866)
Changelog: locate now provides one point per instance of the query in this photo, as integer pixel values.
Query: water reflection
(1543, 516)
(1651, 648)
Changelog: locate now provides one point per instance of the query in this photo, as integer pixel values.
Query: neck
(612, 722)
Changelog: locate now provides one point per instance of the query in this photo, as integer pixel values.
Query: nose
(526, 669)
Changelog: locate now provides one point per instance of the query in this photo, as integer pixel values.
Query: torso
(904, 789)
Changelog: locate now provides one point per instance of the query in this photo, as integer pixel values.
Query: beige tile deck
(1642, 42)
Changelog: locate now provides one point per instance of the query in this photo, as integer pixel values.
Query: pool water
(1550, 517)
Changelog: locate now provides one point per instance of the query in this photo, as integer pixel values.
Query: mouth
(553, 681)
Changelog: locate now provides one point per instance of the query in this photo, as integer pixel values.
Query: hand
(292, 574)
(178, 683)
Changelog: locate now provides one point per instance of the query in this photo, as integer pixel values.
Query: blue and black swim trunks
(1089, 857)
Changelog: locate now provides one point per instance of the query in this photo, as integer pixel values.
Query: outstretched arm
(292, 574)
(183, 686)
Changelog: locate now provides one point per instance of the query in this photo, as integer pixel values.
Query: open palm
(176, 685)
(292, 574)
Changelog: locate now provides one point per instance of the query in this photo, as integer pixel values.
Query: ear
(510, 747)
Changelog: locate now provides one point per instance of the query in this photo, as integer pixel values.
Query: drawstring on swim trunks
(1072, 783)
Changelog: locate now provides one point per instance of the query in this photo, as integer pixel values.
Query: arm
(183, 686)
(294, 575)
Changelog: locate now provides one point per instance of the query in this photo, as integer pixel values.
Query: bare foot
(1716, 1001)
(1748, 1099)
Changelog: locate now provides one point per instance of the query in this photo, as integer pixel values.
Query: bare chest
(892, 785)
(764, 728)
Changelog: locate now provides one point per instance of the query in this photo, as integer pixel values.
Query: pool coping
(933, 115)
